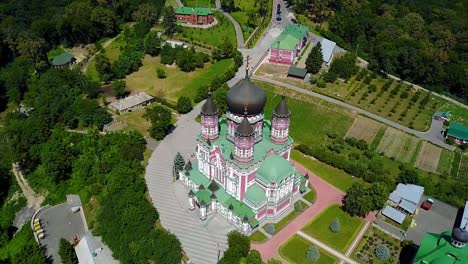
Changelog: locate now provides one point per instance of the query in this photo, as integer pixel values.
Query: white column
(203, 212)
(191, 207)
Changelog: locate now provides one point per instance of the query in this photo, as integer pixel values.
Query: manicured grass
(455, 164)
(459, 114)
(332, 175)
(135, 121)
(311, 117)
(177, 82)
(366, 249)
(213, 36)
(319, 228)
(258, 237)
(113, 50)
(91, 72)
(445, 162)
(295, 251)
(200, 3)
(310, 196)
(283, 222)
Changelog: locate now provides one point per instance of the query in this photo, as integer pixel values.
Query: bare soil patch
(278, 72)
(364, 128)
(428, 157)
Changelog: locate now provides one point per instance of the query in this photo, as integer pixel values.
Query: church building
(242, 168)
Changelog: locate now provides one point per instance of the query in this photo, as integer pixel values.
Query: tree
(313, 254)
(315, 59)
(15, 77)
(160, 119)
(270, 228)
(357, 202)
(184, 105)
(152, 43)
(146, 12)
(298, 206)
(335, 225)
(161, 73)
(226, 50)
(254, 257)
(228, 5)
(274, 261)
(408, 175)
(382, 252)
(118, 88)
(103, 67)
(344, 66)
(185, 60)
(219, 98)
(169, 20)
(330, 77)
(67, 252)
(379, 193)
(179, 164)
(239, 247)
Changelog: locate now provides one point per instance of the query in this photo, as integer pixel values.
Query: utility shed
(297, 72)
(328, 47)
(63, 60)
(407, 196)
(459, 132)
(132, 102)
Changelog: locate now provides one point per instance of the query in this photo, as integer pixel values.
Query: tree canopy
(315, 59)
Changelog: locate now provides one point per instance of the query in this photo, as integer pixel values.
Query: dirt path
(34, 200)
(105, 45)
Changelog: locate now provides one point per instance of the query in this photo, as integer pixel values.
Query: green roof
(274, 169)
(260, 149)
(200, 11)
(436, 249)
(203, 195)
(290, 37)
(458, 131)
(303, 188)
(255, 194)
(197, 177)
(298, 72)
(254, 223)
(62, 59)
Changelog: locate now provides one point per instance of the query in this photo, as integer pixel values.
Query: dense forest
(425, 42)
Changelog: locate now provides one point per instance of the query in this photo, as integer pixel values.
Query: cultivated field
(398, 144)
(428, 158)
(177, 82)
(463, 168)
(364, 128)
(445, 162)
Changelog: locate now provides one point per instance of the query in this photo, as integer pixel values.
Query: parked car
(278, 17)
(294, 21)
(426, 205)
(278, 6)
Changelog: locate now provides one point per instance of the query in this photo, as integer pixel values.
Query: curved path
(432, 135)
(237, 27)
(197, 241)
(326, 195)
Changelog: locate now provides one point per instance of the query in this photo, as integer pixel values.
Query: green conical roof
(274, 169)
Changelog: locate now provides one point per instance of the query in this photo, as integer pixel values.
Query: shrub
(330, 77)
(446, 123)
(184, 105)
(161, 73)
(298, 206)
(368, 80)
(372, 88)
(313, 254)
(270, 229)
(382, 252)
(335, 226)
(321, 83)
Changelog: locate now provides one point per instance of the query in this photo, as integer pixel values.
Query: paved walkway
(330, 250)
(432, 135)
(326, 196)
(198, 239)
(237, 27)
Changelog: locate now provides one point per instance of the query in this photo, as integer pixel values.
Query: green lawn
(319, 228)
(241, 15)
(283, 222)
(311, 117)
(310, 196)
(445, 162)
(258, 237)
(455, 164)
(463, 168)
(213, 36)
(459, 114)
(172, 3)
(332, 175)
(378, 137)
(200, 3)
(295, 251)
(177, 82)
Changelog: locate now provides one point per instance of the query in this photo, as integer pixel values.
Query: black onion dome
(191, 194)
(209, 108)
(245, 129)
(213, 196)
(282, 110)
(460, 235)
(246, 94)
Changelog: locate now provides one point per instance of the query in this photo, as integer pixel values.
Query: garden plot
(463, 168)
(428, 158)
(398, 144)
(445, 162)
(364, 128)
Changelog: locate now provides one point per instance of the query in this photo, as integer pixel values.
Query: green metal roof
(200, 11)
(436, 249)
(298, 72)
(443, 114)
(255, 194)
(290, 37)
(458, 131)
(303, 188)
(203, 195)
(254, 223)
(274, 169)
(62, 59)
(197, 177)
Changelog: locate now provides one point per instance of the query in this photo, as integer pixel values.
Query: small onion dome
(191, 194)
(282, 110)
(209, 108)
(201, 187)
(245, 129)
(460, 235)
(213, 186)
(213, 196)
(306, 176)
(203, 203)
(247, 94)
(231, 207)
(245, 219)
